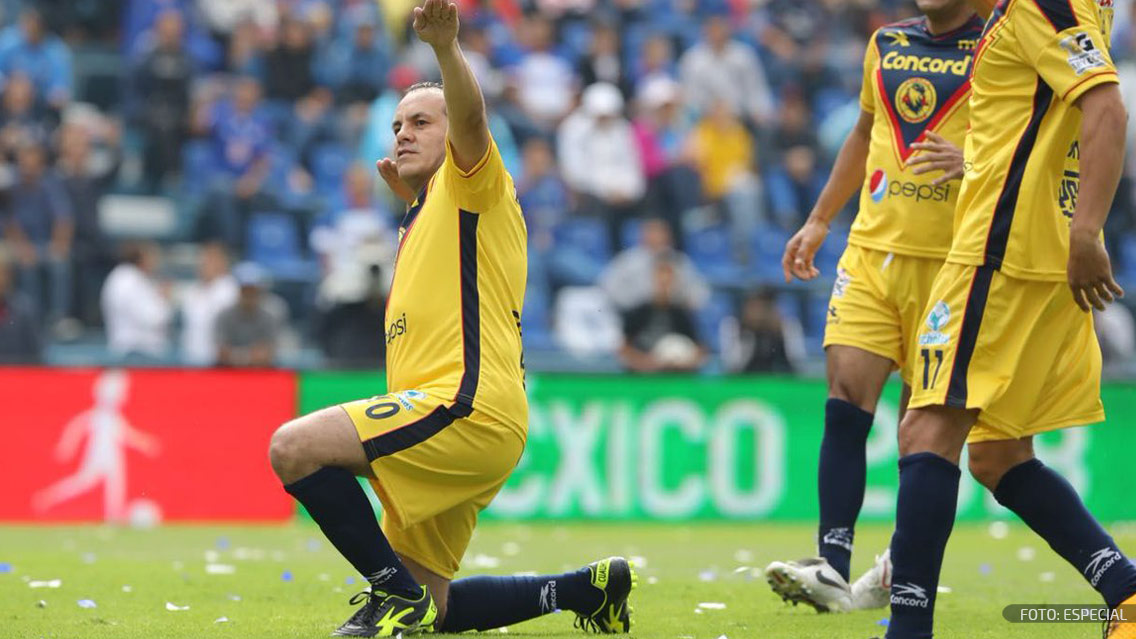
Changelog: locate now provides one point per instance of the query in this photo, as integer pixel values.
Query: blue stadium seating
(712, 249)
(274, 243)
(709, 318)
(629, 232)
(198, 163)
(585, 235)
(329, 164)
(767, 247)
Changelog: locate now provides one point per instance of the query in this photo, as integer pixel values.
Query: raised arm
(436, 23)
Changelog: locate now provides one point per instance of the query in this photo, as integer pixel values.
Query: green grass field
(288, 582)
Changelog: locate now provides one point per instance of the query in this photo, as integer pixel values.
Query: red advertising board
(141, 445)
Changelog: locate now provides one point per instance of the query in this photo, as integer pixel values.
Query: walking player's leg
(1049, 505)
(930, 442)
(855, 380)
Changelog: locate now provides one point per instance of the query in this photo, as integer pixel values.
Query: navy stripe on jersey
(1059, 13)
(470, 308)
(413, 211)
(968, 335)
(1007, 203)
(409, 435)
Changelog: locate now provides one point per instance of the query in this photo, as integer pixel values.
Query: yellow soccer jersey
(1035, 59)
(913, 82)
(453, 315)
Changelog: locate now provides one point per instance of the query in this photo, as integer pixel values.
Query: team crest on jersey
(937, 320)
(915, 100)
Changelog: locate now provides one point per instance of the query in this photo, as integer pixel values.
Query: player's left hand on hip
(1090, 273)
(436, 22)
(938, 154)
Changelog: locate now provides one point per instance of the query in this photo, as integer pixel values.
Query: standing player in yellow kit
(1008, 350)
(439, 446)
(913, 118)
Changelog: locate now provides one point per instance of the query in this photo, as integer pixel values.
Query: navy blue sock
(338, 504)
(485, 603)
(924, 516)
(1052, 508)
(840, 480)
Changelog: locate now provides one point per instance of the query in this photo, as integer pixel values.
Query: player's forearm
(846, 178)
(1102, 162)
(465, 106)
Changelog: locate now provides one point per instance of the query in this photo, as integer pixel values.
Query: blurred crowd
(192, 181)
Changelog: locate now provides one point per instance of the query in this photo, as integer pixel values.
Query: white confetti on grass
(87, 603)
(220, 569)
(212, 556)
(50, 583)
(743, 556)
(638, 560)
(1047, 577)
(234, 597)
(173, 607)
(945, 589)
(712, 605)
(511, 549)
(1026, 553)
(652, 580)
(481, 560)
(221, 620)
(708, 575)
(41, 604)
(998, 529)
(128, 589)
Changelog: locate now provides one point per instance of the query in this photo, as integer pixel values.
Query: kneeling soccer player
(441, 444)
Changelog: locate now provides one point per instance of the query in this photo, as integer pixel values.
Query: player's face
(420, 136)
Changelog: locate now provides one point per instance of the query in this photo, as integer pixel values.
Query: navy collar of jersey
(975, 22)
(419, 202)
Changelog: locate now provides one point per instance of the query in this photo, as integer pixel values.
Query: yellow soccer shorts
(436, 466)
(877, 302)
(1020, 351)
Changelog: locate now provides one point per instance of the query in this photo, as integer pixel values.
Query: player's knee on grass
(323, 438)
(989, 461)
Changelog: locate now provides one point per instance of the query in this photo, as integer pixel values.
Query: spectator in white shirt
(599, 157)
(214, 291)
(720, 68)
(545, 81)
(136, 306)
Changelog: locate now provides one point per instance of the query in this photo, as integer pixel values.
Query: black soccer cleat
(384, 615)
(615, 577)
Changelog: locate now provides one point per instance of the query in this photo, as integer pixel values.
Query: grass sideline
(290, 583)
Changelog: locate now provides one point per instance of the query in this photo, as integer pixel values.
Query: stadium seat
(709, 319)
(274, 243)
(767, 247)
(329, 164)
(629, 233)
(586, 235)
(712, 250)
(198, 163)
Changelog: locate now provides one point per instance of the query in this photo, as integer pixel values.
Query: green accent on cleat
(616, 578)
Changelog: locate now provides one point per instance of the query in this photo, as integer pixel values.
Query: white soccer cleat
(811, 581)
(873, 588)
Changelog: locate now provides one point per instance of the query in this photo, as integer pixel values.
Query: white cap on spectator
(602, 99)
(657, 91)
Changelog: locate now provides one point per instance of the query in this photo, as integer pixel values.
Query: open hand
(800, 251)
(1090, 273)
(388, 170)
(937, 154)
(436, 22)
